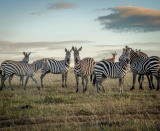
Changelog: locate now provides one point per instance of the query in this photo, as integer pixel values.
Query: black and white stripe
(57, 67)
(136, 68)
(24, 60)
(11, 68)
(82, 68)
(107, 69)
(150, 65)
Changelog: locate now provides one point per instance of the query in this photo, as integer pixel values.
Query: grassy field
(57, 108)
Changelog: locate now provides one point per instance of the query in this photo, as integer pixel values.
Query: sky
(98, 22)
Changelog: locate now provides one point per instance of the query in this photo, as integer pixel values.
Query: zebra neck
(77, 63)
(67, 64)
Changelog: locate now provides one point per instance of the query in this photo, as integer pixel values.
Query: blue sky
(67, 20)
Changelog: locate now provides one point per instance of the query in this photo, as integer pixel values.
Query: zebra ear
(73, 48)
(65, 50)
(29, 53)
(24, 53)
(80, 48)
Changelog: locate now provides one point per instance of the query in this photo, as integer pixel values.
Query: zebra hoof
(157, 89)
(131, 88)
(76, 90)
(84, 91)
(62, 86)
(153, 87)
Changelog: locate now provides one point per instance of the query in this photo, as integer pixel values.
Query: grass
(57, 108)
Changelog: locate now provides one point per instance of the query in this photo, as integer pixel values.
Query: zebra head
(26, 57)
(134, 56)
(141, 55)
(76, 53)
(125, 57)
(68, 55)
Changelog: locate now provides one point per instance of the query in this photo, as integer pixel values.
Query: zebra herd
(137, 61)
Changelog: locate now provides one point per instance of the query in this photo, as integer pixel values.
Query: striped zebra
(82, 68)
(24, 60)
(57, 67)
(134, 57)
(150, 65)
(107, 69)
(11, 68)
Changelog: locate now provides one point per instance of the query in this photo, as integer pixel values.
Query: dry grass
(57, 108)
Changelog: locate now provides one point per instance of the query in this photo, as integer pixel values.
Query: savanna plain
(57, 108)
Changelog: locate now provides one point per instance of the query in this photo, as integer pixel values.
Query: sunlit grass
(57, 108)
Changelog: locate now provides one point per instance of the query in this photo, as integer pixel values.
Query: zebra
(11, 68)
(134, 57)
(151, 65)
(82, 68)
(57, 67)
(24, 60)
(106, 69)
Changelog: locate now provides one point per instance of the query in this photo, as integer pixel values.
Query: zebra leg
(121, 81)
(34, 79)
(86, 84)
(42, 76)
(140, 80)
(134, 81)
(10, 79)
(27, 78)
(102, 86)
(77, 82)
(63, 75)
(21, 80)
(65, 79)
(97, 86)
(149, 81)
(83, 84)
(3, 78)
(151, 78)
(158, 82)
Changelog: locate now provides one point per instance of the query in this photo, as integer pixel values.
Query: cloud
(55, 6)
(13, 50)
(38, 12)
(129, 18)
(61, 6)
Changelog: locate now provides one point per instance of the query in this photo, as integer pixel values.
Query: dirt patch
(83, 112)
(50, 99)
